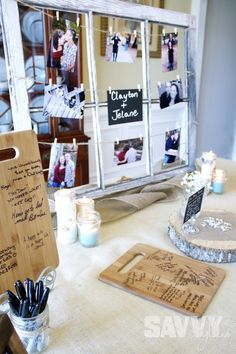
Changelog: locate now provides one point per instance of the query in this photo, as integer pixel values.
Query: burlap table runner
(126, 203)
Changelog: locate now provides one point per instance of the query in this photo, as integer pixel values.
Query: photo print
(121, 47)
(58, 102)
(170, 93)
(169, 51)
(128, 151)
(62, 167)
(172, 143)
(63, 53)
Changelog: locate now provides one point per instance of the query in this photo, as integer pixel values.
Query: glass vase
(33, 331)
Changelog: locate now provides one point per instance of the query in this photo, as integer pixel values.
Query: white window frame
(9, 17)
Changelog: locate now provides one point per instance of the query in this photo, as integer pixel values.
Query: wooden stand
(27, 242)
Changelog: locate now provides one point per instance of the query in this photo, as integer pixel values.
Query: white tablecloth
(89, 316)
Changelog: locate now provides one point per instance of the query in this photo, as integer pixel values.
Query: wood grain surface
(164, 277)
(27, 241)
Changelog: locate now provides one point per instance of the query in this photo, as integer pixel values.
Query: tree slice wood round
(210, 244)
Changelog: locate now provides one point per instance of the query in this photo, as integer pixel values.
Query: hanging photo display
(63, 51)
(58, 102)
(62, 167)
(169, 51)
(172, 143)
(121, 47)
(128, 151)
(170, 93)
(124, 106)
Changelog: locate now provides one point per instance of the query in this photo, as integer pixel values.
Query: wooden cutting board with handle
(27, 241)
(178, 282)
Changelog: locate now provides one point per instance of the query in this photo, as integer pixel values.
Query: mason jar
(88, 228)
(218, 181)
(84, 205)
(33, 331)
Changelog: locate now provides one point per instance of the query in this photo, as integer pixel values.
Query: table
(89, 316)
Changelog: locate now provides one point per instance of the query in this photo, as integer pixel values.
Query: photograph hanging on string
(127, 151)
(172, 145)
(63, 51)
(121, 47)
(113, 24)
(169, 51)
(62, 166)
(170, 93)
(58, 102)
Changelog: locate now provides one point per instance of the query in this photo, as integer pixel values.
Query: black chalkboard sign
(124, 106)
(194, 204)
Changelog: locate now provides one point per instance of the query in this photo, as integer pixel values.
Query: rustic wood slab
(164, 277)
(27, 241)
(210, 244)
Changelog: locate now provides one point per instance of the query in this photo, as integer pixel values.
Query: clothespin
(163, 32)
(178, 77)
(50, 82)
(117, 141)
(109, 89)
(55, 141)
(175, 30)
(110, 30)
(57, 15)
(135, 33)
(139, 87)
(77, 21)
(82, 87)
(140, 137)
(74, 143)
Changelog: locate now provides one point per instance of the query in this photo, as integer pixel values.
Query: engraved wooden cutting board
(27, 241)
(178, 282)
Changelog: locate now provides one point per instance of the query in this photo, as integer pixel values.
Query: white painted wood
(94, 99)
(199, 11)
(119, 8)
(15, 64)
(147, 95)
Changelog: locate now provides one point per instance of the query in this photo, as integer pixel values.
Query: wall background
(217, 97)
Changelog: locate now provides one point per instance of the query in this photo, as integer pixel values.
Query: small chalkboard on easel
(193, 205)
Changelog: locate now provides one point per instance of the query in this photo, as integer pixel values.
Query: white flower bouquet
(193, 181)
